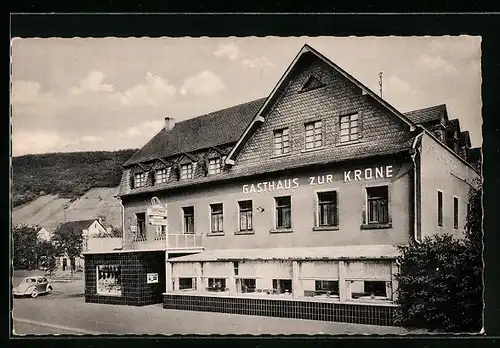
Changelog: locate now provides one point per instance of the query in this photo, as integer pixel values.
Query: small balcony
(174, 243)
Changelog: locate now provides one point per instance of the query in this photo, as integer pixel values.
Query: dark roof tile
(213, 129)
(433, 113)
(79, 225)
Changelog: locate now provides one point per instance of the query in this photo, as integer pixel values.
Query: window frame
(318, 211)
(142, 181)
(193, 284)
(163, 177)
(440, 208)
(217, 168)
(100, 292)
(281, 136)
(367, 205)
(314, 135)
(350, 134)
(247, 210)
(189, 173)
(280, 228)
(184, 225)
(219, 223)
(456, 211)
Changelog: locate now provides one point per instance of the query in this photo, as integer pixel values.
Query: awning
(354, 252)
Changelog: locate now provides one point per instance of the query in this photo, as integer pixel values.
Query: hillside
(67, 175)
(49, 211)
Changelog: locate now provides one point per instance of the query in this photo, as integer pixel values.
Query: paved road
(65, 312)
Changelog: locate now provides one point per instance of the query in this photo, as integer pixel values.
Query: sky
(86, 94)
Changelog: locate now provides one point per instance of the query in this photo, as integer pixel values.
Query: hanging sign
(156, 209)
(152, 278)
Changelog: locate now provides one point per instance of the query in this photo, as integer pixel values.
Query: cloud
(93, 82)
(153, 92)
(258, 62)
(229, 50)
(33, 142)
(146, 129)
(92, 139)
(204, 83)
(436, 64)
(400, 93)
(24, 92)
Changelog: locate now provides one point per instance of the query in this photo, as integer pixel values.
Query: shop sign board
(152, 278)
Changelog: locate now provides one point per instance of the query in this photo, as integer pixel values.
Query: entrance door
(65, 263)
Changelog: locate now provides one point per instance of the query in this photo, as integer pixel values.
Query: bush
(440, 280)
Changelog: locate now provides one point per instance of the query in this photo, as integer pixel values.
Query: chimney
(169, 123)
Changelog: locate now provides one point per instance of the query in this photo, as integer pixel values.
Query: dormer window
(214, 166)
(161, 176)
(140, 179)
(187, 171)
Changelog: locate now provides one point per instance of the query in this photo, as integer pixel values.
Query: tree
(440, 280)
(46, 253)
(68, 241)
(24, 240)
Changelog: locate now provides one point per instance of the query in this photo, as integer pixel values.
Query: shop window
(140, 179)
(245, 215)
(378, 204)
(455, 213)
(141, 224)
(247, 285)
(109, 279)
(314, 135)
(216, 284)
(217, 218)
(187, 283)
(375, 288)
(283, 212)
(282, 286)
(281, 141)
(161, 176)
(327, 209)
(188, 219)
(328, 287)
(187, 171)
(349, 128)
(214, 166)
(440, 208)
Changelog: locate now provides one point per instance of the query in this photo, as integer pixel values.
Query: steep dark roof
(79, 225)
(433, 113)
(213, 129)
(475, 154)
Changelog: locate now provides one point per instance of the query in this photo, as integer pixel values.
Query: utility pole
(380, 82)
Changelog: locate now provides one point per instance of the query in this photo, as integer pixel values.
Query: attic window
(214, 166)
(311, 83)
(187, 171)
(139, 179)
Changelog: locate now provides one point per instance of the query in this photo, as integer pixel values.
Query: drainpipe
(413, 158)
(123, 220)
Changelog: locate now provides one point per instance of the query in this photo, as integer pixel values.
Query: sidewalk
(109, 319)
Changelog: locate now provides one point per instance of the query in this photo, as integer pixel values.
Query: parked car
(32, 286)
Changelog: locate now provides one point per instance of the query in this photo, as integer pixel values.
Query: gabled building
(291, 205)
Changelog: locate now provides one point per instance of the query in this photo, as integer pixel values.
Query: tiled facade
(134, 269)
(338, 312)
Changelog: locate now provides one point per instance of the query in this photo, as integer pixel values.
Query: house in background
(43, 234)
(89, 229)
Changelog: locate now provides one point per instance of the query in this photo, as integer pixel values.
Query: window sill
(281, 155)
(326, 228)
(376, 226)
(312, 149)
(244, 232)
(352, 142)
(283, 230)
(215, 234)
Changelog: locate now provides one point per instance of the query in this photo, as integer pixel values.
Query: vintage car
(32, 286)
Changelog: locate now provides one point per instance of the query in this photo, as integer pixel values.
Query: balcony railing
(142, 242)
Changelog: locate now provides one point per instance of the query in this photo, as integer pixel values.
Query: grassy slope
(48, 211)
